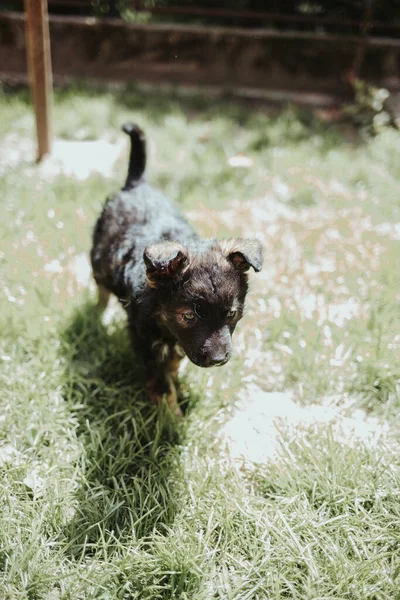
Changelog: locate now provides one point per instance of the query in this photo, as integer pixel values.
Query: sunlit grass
(104, 496)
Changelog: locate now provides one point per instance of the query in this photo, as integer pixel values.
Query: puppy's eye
(231, 314)
(200, 310)
(189, 316)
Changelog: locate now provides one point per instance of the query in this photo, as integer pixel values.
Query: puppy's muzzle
(216, 351)
(219, 360)
(210, 361)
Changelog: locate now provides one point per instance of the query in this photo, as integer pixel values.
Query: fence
(282, 52)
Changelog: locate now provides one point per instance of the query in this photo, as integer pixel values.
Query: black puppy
(183, 295)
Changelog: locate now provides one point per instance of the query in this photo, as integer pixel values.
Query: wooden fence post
(39, 66)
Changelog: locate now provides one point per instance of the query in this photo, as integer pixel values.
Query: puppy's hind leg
(103, 297)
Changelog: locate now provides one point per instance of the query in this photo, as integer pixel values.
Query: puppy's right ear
(164, 262)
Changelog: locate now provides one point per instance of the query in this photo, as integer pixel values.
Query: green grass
(104, 496)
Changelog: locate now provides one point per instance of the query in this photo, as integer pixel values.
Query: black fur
(182, 294)
(137, 159)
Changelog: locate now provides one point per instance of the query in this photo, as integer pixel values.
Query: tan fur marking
(173, 365)
(178, 315)
(162, 349)
(152, 284)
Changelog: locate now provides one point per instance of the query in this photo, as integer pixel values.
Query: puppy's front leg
(162, 385)
(103, 297)
(161, 360)
(160, 382)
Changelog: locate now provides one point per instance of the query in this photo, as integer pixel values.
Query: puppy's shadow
(128, 447)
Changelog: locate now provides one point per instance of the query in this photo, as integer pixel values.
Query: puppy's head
(201, 291)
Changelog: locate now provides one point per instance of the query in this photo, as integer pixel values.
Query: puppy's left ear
(164, 262)
(243, 253)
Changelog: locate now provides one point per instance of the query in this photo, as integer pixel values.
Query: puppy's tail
(137, 159)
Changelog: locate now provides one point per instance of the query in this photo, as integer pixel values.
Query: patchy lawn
(283, 480)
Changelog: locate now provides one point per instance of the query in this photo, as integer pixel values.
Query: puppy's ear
(243, 253)
(164, 262)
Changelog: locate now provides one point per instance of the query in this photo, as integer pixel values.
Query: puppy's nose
(220, 359)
